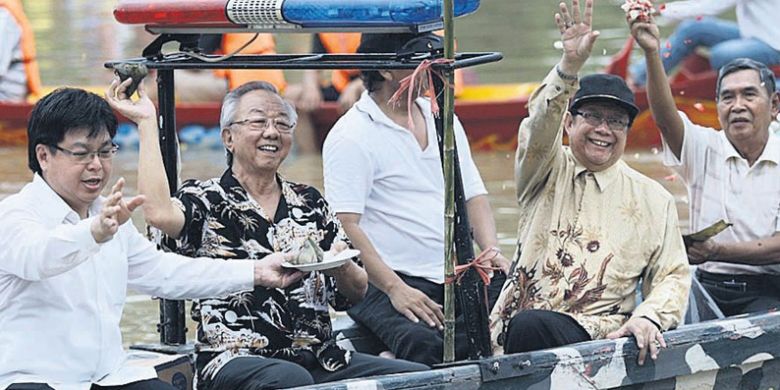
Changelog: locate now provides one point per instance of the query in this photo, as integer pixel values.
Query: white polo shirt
(721, 185)
(374, 167)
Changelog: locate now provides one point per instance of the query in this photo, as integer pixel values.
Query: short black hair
(764, 74)
(64, 110)
(382, 43)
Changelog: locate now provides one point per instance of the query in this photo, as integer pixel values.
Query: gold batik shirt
(585, 239)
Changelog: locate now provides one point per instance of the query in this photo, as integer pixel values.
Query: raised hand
(115, 212)
(126, 208)
(577, 35)
(645, 33)
(137, 111)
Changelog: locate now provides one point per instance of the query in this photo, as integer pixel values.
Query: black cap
(605, 87)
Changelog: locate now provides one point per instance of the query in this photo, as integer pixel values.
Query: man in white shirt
(733, 175)
(384, 180)
(68, 256)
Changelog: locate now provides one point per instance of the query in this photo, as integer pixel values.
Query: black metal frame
(471, 290)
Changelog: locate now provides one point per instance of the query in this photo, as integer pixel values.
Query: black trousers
(738, 294)
(417, 342)
(532, 330)
(256, 373)
(150, 384)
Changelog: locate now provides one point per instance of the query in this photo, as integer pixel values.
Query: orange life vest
(263, 44)
(14, 7)
(341, 43)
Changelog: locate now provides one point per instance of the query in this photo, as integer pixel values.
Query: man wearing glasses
(268, 337)
(68, 258)
(731, 175)
(590, 226)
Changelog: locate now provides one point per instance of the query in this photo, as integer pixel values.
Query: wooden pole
(449, 180)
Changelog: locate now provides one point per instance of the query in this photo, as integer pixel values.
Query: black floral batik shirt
(223, 221)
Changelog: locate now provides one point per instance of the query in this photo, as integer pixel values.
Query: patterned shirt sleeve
(667, 278)
(540, 136)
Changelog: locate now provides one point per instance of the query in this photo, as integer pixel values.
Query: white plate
(330, 261)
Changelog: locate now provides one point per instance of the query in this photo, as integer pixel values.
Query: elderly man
(731, 175)
(590, 226)
(270, 337)
(69, 256)
(384, 179)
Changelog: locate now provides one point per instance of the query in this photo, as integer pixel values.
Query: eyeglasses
(260, 124)
(87, 157)
(595, 119)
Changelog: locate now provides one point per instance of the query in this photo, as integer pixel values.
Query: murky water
(75, 37)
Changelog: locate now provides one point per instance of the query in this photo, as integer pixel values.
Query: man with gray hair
(268, 337)
(731, 175)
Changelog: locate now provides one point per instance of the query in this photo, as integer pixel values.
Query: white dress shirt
(376, 168)
(62, 294)
(721, 185)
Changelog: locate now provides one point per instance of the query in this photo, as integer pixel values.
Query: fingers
(660, 338)
(561, 25)
(565, 16)
(410, 315)
(118, 186)
(135, 202)
(588, 13)
(426, 310)
(338, 246)
(617, 334)
(141, 90)
(289, 277)
(575, 11)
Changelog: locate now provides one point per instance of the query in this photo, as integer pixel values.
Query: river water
(75, 37)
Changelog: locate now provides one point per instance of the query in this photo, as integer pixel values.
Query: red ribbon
(481, 264)
(422, 77)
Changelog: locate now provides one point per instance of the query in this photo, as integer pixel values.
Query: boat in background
(490, 113)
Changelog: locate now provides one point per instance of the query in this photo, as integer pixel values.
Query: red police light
(172, 12)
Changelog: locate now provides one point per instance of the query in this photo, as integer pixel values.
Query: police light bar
(199, 16)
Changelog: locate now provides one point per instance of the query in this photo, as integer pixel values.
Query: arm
(481, 217)
(539, 138)
(659, 93)
(56, 251)
(406, 300)
(764, 251)
(159, 210)
(33, 252)
(173, 276)
(666, 284)
(351, 281)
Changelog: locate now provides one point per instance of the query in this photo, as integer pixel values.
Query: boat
(490, 113)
